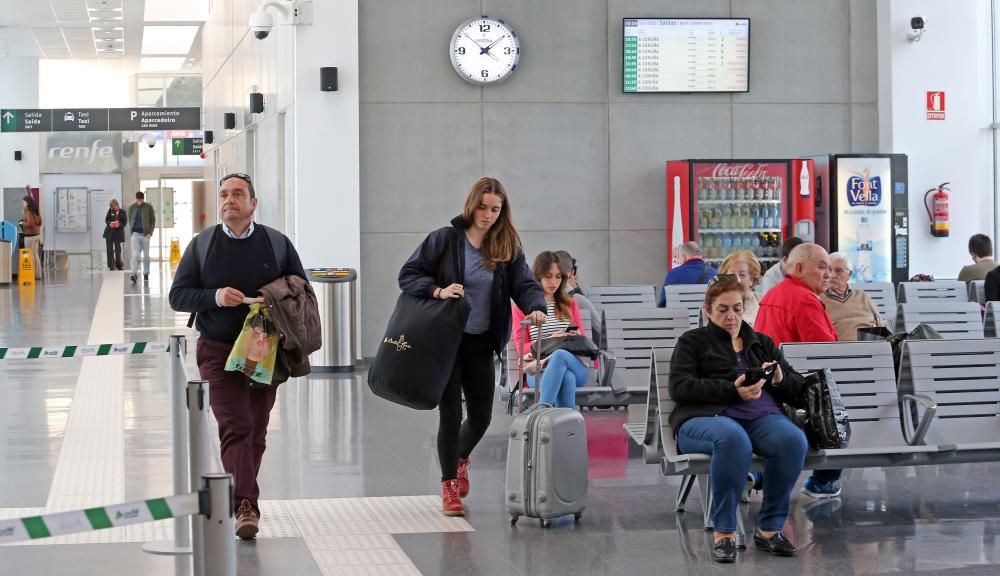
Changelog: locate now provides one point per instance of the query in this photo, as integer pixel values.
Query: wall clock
(484, 50)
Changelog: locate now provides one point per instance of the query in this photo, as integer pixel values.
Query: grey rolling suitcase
(546, 463)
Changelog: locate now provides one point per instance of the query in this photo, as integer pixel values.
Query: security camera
(261, 23)
(149, 140)
(917, 24)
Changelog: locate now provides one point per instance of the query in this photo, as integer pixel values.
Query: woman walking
(478, 257)
(114, 234)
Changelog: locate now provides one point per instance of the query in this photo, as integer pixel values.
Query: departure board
(686, 55)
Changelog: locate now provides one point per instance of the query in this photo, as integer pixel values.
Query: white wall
(83, 84)
(955, 56)
(18, 89)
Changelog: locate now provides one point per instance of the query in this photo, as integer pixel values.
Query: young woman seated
(562, 371)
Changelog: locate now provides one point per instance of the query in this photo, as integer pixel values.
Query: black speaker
(229, 120)
(328, 79)
(256, 102)
(209, 136)
(17, 155)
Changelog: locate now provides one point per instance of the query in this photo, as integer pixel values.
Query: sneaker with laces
(821, 490)
(463, 477)
(451, 502)
(246, 521)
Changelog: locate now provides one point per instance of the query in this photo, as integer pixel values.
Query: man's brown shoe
(246, 521)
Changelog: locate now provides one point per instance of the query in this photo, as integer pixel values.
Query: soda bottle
(754, 216)
(702, 188)
(864, 272)
(709, 244)
(716, 217)
(741, 188)
(727, 245)
(703, 217)
(709, 188)
(769, 216)
(727, 216)
(777, 216)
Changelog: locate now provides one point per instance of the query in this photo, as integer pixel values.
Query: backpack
(203, 241)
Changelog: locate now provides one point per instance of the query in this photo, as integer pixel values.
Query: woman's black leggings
(472, 375)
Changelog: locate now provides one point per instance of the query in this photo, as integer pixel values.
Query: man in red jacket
(793, 312)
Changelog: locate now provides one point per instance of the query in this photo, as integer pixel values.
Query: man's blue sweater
(693, 271)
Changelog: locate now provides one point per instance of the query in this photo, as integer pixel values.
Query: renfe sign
(82, 153)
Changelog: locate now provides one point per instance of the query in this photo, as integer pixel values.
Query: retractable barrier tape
(61, 523)
(79, 351)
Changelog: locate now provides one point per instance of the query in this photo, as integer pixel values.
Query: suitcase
(547, 468)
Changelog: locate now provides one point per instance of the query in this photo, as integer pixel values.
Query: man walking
(221, 272)
(143, 219)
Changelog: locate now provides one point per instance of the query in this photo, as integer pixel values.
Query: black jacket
(115, 234)
(991, 286)
(703, 372)
(424, 272)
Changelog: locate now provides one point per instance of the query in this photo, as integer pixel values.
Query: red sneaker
(463, 477)
(450, 500)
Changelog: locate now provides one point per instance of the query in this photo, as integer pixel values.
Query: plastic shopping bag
(256, 349)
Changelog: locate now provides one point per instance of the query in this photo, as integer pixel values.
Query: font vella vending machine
(730, 205)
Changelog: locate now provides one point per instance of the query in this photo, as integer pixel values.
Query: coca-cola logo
(747, 170)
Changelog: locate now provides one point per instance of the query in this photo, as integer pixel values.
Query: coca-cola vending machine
(730, 205)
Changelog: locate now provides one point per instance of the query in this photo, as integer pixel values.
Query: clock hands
(487, 49)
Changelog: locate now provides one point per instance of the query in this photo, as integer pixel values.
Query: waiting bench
(631, 334)
(631, 296)
(690, 297)
(951, 319)
(866, 377)
(950, 290)
(883, 295)
(991, 320)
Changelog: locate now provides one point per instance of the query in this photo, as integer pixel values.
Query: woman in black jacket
(114, 234)
(479, 258)
(720, 413)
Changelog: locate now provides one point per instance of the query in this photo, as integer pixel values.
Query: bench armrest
(606, 372)
(915, 435)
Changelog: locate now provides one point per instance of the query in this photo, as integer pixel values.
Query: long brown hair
(502, 243)
(543, 262)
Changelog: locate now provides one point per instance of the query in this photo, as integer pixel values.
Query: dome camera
(149, 140)
(261, 23)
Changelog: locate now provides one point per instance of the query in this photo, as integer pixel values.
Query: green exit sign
(186, 146)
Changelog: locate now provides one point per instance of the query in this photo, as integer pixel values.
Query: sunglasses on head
(720, 277)
(240, 175)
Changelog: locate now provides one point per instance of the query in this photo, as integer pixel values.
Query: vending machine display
(862, 211)
(731, 205)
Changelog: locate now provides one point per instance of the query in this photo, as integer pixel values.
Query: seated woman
(744, 265)
(849, 308)
(720, 413)
(563, 372)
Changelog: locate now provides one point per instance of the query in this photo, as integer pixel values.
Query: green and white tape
(80, 351)
(61, 523)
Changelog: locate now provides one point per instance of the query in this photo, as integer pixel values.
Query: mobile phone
(752, 375)
(573, 329)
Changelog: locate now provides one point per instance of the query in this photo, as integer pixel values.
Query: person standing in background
(114, 234)
(31, 230)
(143, 219)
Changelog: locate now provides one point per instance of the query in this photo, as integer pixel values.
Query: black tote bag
(827, 424)
(417, 353)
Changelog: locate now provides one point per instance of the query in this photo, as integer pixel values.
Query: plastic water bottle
(864, 251)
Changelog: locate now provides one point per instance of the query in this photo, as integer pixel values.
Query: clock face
(484, 50)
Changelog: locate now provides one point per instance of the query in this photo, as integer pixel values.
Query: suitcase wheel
(513, 519)
(545, 523)
(577, 516)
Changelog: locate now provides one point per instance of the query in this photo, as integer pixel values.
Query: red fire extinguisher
(938, 211)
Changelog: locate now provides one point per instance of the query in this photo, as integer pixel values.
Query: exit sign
(186, 146)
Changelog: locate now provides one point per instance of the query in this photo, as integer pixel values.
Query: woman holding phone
(729, 382)
(563, 371)
(478, 258)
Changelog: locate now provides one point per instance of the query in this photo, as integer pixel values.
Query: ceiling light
(147, 64)
(159, 40)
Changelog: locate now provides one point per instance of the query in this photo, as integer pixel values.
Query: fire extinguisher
(938, 213)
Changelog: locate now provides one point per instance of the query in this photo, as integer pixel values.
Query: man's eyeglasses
(240, 175)
(840, 271)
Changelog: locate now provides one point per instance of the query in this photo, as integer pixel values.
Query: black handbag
(416, 356)
(577, 345)
(827, 425)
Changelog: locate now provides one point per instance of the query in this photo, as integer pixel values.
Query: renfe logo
(863, 190)
(82, 152)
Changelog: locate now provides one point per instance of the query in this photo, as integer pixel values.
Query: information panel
(686, 55)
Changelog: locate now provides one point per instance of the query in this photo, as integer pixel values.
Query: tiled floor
(350, 482)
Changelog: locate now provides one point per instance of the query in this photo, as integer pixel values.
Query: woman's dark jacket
(115, 234)
(426, 270)
(703, 372)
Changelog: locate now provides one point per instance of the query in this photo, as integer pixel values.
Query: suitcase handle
(522, 381)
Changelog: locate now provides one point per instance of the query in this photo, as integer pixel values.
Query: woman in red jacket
(563, 371)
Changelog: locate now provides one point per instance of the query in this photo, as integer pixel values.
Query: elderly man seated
(848, 308)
